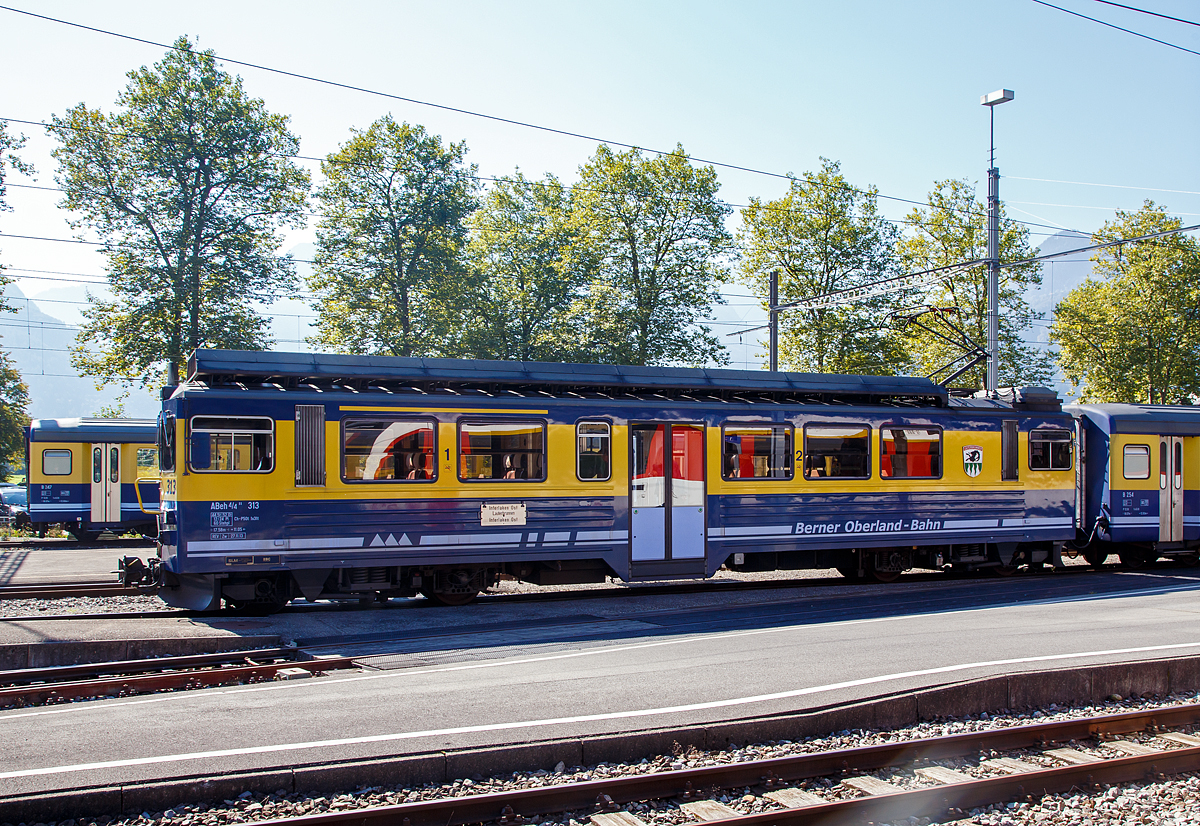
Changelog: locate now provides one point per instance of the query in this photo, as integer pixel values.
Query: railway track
(62, 590)
(939, 778)
(38, 686)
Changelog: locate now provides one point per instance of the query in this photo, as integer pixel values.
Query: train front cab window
(593, 451)
(166, 442)
(754, 451)
(1050, 449)
(388, 450)
(56, 462)
(502, 451)
(227, 444)
(910, 452)
(837, 451)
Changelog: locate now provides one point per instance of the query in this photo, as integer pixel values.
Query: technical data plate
(523, 642)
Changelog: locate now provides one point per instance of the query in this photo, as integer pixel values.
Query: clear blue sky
(889, 89)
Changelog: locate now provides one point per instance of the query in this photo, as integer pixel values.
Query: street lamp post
(991, 100)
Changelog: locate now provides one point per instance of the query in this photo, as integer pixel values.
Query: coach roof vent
(1033, 399)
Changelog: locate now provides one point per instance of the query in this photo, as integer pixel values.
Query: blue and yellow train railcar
(87, 474)
(1140, 493)
(339, 476)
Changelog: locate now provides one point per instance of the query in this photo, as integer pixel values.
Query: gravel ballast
(1170, 802)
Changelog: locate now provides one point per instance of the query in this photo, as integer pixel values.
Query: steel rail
(61, 590)
(24, 676)
(147, 683)
(607, 794)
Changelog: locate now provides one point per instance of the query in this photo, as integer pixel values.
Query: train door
(667, 499)
(1170, 489)
(106, 483)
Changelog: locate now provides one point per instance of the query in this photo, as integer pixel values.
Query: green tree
(824, 235)
(389, 274)
(14, 394)
(653, 232)
(187, 186)
(954, 230)
(526, 275)
(1133, 333)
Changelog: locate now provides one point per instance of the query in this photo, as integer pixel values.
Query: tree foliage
(389, 272)
(187, 186)
(653, 233)
(824, 235)
(526, 273)
(1133, 334)
(14, 394)
(952, 231)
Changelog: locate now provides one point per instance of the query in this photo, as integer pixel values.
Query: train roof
(1173, 420)
(444, 375)
(93, 430)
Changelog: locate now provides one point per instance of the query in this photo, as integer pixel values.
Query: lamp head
(998, 96)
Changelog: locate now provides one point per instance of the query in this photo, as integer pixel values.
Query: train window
(837, 451)
(1137, 462)
(147, 462)
(502, 451)
(232, 444)
(97, 465)
(1049, 449)
(56, 462)
(593, 451)
(910, 452)
(756, 451)
(166, 442)
(1010, 453)
(376, 450)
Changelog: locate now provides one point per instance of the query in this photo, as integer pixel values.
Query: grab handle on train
(137, 487)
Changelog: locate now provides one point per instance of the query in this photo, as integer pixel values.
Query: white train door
(1170, 489)
(106, 483)
(667, 499)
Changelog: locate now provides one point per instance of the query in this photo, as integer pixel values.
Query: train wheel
(83, 536)
(1133, 559)
(444, 598)
(896, 565)
(1095, 556)
(1003, 570)
(1189, 560)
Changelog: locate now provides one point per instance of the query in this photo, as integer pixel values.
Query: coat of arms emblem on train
(973, 460)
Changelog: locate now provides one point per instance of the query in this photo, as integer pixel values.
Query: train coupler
(134, 573)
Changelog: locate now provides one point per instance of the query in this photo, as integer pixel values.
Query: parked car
(15, 505)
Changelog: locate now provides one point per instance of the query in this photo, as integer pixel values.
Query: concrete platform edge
(16, 656)
(1084, 684)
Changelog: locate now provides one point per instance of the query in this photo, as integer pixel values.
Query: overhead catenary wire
(1147, 11)
(1110, 186)
(1118, 28)
(911, 280)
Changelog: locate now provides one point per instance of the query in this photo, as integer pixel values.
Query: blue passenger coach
(340, 476)
(83, 475)
(1140, 489)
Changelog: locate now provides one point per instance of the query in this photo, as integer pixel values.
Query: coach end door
(667, 499)
(1170, 489)
(106, 483)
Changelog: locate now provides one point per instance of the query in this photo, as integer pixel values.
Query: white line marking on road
(584, 718)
